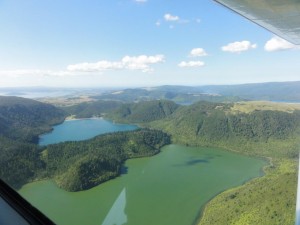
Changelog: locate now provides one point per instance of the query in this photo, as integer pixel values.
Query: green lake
(169, 188)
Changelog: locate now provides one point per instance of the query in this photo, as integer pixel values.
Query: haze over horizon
(45, 87)
(137, 43)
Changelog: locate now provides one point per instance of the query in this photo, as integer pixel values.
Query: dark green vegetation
(24, 119)
(21, 121)
(90, 109)
(267, 200)
(124, 112)
(144, 111)
(19, 162)
(81, 165)
(262, 133)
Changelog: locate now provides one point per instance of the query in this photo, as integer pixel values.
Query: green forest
(144, 112)
(24, 119)
(214, 124)
(91, 109)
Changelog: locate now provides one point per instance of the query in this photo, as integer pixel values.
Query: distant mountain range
(272, 91)
(275, 91)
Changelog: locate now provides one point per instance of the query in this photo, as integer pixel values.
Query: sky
(133, 43)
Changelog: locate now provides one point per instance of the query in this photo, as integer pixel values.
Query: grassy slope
(247, 107)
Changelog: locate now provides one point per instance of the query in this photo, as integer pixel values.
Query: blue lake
(78, 130)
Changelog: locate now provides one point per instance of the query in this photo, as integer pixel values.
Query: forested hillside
(90, 109)
(19, 162)
(24, 119)
(21, 121)
(81, 165)
(215, 124)
(142, 112)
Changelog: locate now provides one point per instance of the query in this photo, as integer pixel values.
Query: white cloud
(95, 67)
(278, 44)
(140, 1)
(184, 64)
(198, 52)
(141, 62)
(169, 17)
(158, 23)
(173, 19)
(238, 47)
(198, 20)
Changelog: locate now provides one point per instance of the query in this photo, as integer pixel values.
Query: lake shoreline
(276, 169)
(73, 117)
(203, 209)
(92, 127)
(264, 172)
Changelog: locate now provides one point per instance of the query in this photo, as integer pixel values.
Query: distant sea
(42, 92)
(33, 94)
